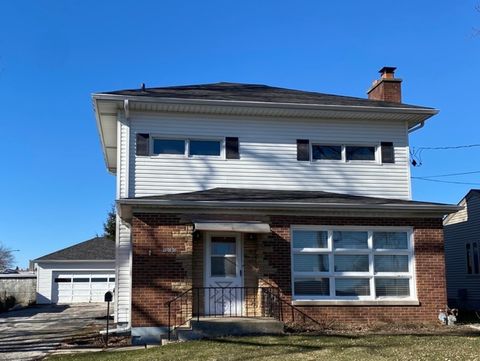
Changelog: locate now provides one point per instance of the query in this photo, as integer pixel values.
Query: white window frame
(342, 152)
(186, 154)
(151, 146)
(220, 140)
(371, 275)
(376, 149)
(344, 146)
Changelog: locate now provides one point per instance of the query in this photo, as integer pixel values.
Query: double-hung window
(338, 263)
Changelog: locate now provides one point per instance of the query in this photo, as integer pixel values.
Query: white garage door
(71, 287)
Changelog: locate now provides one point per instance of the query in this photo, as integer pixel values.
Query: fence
(17, 289)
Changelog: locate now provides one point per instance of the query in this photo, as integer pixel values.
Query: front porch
(230, 294)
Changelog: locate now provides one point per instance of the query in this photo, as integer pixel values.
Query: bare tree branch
(6, 257)
(476, 31)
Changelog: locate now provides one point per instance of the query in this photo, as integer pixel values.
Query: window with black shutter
(303, 150)
(232, 148)
(143, 144)
(388, 153)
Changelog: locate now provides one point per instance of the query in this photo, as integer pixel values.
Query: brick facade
(158, 275)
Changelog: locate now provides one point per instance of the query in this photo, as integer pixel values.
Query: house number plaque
(169, 250)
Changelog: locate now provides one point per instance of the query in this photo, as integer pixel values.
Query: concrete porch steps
(211, 327)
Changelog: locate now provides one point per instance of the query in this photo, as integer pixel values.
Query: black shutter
(143, 144)
(231, 146)
(303, 150)
(388, 153)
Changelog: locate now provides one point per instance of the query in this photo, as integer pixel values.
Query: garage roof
(95, 249)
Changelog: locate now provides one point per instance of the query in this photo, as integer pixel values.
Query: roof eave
(440, 209)
(116, 97)
(72, 260)
(100, 132)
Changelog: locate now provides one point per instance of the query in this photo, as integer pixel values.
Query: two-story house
(244, 199)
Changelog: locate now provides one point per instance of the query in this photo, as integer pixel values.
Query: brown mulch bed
(90, 337)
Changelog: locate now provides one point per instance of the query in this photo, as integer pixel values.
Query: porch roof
(284, 201)
(244, 227)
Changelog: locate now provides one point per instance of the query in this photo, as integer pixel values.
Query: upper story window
(343, 153)
(360, 153)
(169, 146)
(205, 147)
(326, 152)
(187, 147)
(337, 263)
(473, 258)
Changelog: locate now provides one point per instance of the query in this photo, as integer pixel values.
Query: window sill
(356, 303)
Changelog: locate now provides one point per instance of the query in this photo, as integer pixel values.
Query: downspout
(416, 127)
(126, 108)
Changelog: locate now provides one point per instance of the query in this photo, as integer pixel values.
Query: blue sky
(54, 54)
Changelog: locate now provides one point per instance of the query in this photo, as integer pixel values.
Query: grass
(445, 347)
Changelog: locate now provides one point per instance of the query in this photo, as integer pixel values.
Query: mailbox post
(108, 298)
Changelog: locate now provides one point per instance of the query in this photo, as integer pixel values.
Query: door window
(223, 257)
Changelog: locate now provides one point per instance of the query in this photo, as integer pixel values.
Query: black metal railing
(251, 302)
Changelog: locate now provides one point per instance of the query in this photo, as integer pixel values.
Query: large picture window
(338, 263)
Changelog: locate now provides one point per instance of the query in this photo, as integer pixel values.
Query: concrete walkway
(34, 332)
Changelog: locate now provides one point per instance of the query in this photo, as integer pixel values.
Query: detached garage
(80, 273)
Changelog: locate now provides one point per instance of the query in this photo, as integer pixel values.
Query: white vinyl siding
(268, 156)
(459, 231)
(122, 162)
(352, 263)
(123, 273)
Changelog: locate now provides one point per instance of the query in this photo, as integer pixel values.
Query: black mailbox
(108, 296)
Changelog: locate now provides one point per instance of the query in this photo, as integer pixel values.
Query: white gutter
(416, 127)
(126, 108)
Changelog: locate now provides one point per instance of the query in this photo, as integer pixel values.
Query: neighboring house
(79, 273)
(224, 188)
(462, 253)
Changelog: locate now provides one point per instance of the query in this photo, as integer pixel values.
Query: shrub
(7, 303)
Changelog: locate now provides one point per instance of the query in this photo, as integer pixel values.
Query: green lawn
(307, 347)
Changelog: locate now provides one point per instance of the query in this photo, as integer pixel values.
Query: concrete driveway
(34, 332)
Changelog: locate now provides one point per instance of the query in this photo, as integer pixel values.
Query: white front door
(223, 274)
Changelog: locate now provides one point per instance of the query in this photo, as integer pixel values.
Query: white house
(229, 191)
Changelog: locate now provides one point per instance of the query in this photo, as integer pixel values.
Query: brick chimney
(387, 88)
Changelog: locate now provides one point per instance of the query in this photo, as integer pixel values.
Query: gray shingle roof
(98, 248)
(278, 196)
(256, 93)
